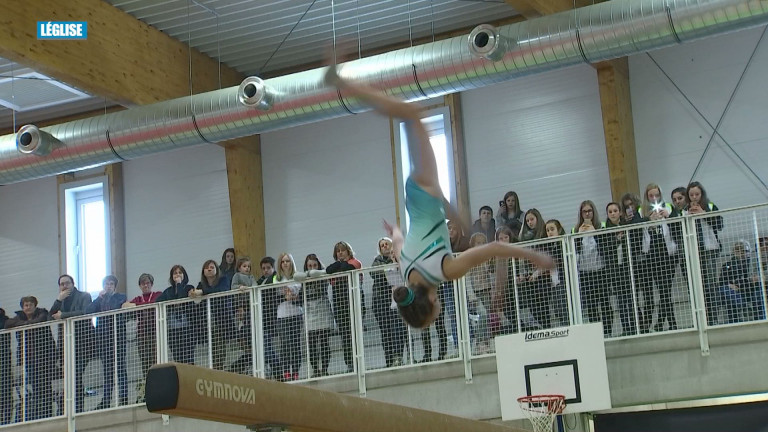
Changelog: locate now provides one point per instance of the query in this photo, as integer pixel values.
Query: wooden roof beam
(123, 59)
(536, 8)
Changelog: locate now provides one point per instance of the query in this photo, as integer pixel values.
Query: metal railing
(640, 280)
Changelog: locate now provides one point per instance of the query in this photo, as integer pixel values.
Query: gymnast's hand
(387, 227)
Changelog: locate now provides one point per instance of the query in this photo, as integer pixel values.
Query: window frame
(71, 195)
(398, 151)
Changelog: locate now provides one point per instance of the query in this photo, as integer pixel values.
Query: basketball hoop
(541, 410)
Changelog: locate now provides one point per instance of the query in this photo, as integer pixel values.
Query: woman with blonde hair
(289, 317)
(394, 335)
(660, 246)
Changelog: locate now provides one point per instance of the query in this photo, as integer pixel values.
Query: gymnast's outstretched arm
(423, 165)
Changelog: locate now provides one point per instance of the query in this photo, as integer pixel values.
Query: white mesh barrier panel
(507, 296)
(386, 341)
(636, 280)
(631, 278)
(105, 357)
(30, 365)
(732, 252)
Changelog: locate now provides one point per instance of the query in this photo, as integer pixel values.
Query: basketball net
(541, 410)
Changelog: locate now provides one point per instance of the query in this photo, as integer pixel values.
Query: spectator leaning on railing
(679, 202)
(228, 267)
(181, 336)
(36, 352)
(146, 337)
(270, 299)
(630, 215)
(72, 302)
(660, 245)
(241, 281)
(110, 341)
(617, 265)
(222, 315)
(595, 295)
(707, 230)
(317, 315)
(559, 297)
(290, 317)
(342, 253)
(392, 329)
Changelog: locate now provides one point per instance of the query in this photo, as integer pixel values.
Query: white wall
(176, 212)
(541, 136)
(327, 182)
(670, 136)
(29, 243)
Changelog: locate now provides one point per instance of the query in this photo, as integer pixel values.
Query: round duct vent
(486, 42)
(31, 140)
(253, 93)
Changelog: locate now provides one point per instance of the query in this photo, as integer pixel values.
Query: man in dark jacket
(110, 341)
(36, 352)
(72, 302)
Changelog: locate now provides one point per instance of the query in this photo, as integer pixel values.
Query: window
(86, 232)
(437, 122)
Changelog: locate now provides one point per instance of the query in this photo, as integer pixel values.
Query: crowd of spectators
(630, 265)
(616, 268)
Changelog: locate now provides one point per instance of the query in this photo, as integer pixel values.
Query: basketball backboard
(567, 360)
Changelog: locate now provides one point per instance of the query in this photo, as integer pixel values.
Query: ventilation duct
(594, 33)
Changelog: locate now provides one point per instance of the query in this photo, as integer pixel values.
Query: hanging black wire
(261, 69)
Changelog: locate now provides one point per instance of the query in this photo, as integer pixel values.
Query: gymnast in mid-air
(424, 253)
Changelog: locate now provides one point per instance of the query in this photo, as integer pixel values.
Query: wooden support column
(453, 102)
(114, 173)
(615, 101)
(246, 196)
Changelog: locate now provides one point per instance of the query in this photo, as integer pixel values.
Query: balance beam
(192, 391)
